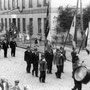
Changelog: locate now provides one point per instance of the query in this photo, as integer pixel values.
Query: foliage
(86, 16)
(65, 18)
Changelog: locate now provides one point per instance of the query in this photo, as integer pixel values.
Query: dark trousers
(42, 76)
(78, 85)
(35, 70)
(28, 67)
(49, 67)
(62, 66)
(13, 52)
(59, 70)
(5, 53)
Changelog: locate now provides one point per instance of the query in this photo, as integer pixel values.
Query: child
(16, 87)
(43, 67)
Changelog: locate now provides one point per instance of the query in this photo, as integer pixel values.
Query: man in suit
(35, 59)
(28, 58)
(5, 47)
(13, 46)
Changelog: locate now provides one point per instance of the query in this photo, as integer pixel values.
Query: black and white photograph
(44, 44)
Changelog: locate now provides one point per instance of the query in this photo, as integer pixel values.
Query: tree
(86, 17)
(30, 32)
(65, 18)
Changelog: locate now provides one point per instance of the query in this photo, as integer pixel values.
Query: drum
(82, 74)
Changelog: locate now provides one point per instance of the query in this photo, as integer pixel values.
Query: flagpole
(47, 26)
(83, 35)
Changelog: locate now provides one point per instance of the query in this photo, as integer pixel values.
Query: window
(4, 5)
(5, 23)
(9, 22)
(8, 4)
(2, 23)
(45, 2)
(0, 4)
(18, 26)
(38, 3)
(24, 26)
(13, 4)
(23, 3)
(44, 24)
(17, 3)
(39, 25)
(31, 26)
(30, 3)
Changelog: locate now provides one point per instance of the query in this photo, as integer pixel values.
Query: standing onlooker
(28, 59)
(13, 46)
(5, 47)
(35, 59)
(43, 67)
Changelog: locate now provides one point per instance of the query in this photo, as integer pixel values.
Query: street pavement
(14, 68)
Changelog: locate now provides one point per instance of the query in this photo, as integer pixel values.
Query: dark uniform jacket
(28, 56)
(35, 58)
(48, 56)
(13, 45)
(73, 54)
(5, 45)
(43, 65)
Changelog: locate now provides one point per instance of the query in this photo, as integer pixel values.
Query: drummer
(78, 84)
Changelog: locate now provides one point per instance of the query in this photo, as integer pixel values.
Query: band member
(43, 67)
(35, 59)
(49, 59)
(78, 84)
(73, 55)
(59, 61)
(28, 58)
(5, 48)
(63, 52)
(13, 46)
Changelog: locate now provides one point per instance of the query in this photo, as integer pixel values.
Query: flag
(87, 42)
(73, 32)
(47, 22)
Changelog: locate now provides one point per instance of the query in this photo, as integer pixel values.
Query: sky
(64, 3)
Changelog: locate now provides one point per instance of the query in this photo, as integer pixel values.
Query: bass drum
(82, 74)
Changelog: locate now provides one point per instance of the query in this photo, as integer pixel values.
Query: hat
(16, 81)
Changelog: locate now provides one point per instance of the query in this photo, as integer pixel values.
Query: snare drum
(82, 74)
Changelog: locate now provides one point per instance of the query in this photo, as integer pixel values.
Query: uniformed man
(5, 47)
(63, 52)
(28, 58)
(49, 59)
(59, 61)
(35, 59)
(78, 84)
(13, 46)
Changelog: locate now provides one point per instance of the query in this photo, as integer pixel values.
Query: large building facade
(24, 13)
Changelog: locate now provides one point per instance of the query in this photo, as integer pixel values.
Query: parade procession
(44, 45)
